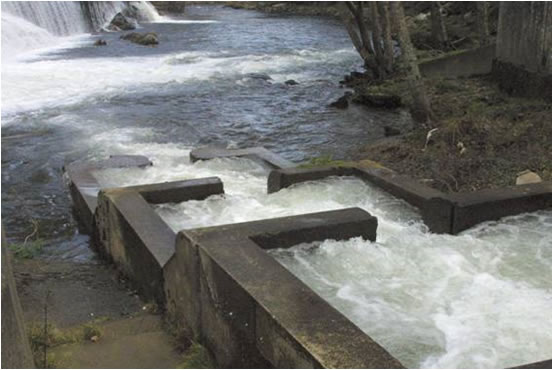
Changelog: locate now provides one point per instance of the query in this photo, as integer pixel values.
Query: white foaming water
(479, 299)
(54, 83)
(19, 35)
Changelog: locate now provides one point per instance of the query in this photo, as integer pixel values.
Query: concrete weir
(220, 286)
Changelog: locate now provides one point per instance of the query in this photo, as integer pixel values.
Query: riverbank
(329, 9)
(481, 137)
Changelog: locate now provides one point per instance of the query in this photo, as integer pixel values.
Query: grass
(27, 250)
(39, 339)
(324, 161)
(196, 357)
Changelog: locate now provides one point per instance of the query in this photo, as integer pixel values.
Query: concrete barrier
(16, 352)
(132, 235)
(436, 209)
(442, 213)
(464, 64)
(250, 311)
(488, 205)
(535, 365)
(84, 187)
(258, 154)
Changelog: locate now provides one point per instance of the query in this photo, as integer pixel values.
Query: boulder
(378, 100)
(527, 177)
(341, 103)
(121, 23)
(100, 42)
(145, 39)
(291, 82)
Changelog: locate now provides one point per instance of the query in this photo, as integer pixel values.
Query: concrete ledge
(535, 365)
(132, 235)
(435, 208)
(486, 205)
(84, 187)
(464, 64)
(442, 213)
(250, 311)
(258, 154)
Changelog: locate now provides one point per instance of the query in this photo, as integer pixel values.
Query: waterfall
(57, 17)
(29, 25)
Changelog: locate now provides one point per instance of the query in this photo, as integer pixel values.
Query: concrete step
(138, 342)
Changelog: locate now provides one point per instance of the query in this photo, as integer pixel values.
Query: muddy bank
(482, 137)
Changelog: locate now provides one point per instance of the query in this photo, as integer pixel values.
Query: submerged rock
(121, 23)
(378, 100)
(145, 39)
(291, 82)
(259, 76)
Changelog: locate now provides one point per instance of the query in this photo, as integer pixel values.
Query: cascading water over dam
(31, 24)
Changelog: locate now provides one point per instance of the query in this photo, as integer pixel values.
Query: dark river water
(216, 78)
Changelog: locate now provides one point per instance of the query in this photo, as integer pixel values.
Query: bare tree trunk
(482, 22)
(439, 31)
(377, 39)
(420, 109)
(387, 35)
(358, 38)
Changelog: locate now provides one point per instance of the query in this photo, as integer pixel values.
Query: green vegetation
(197, 357)
(42, 338)
(27, 250)
(324, 161)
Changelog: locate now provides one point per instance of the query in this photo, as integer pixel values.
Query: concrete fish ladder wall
(219, 285)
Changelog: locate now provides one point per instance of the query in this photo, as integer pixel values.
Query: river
(480, 299)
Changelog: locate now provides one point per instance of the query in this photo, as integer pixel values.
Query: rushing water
(199, 86)
(480, 299)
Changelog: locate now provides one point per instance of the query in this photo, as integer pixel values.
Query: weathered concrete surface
(250, 311)
(442, 213)
(131, 234)
(16, 352)
(468, 63)
(258, 154)
(523, 64)
(485, 205)
(435, 208)
(535, 365)
(138, 342)
(84, 187)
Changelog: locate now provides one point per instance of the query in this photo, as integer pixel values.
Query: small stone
(528, 177)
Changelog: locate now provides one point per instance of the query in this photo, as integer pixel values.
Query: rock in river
(145, 39)
(121, 23)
